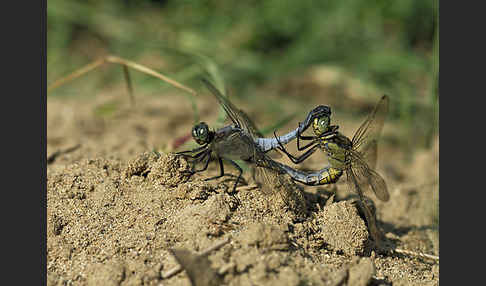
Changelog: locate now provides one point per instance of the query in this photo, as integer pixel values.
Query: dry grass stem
(125, 63)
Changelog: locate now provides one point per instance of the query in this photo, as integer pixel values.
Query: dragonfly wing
(353, 183)
(378, 185)
(370, 153)
(232, 143)
(239, 117)
(365, 148)
(225, 103)
(252, 130)
(248, 124)
(370, 130)
(267, 180)
(368, 178)
(236, 115)
(269, 173)
(274, 181)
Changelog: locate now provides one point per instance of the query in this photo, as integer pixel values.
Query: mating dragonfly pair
(242, 141)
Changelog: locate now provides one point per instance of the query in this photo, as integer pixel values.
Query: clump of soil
(265, 236)
(342, 228)
(121, 214)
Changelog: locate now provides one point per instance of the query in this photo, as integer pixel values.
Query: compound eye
(324, 122)
(322, 125)
(200, 133)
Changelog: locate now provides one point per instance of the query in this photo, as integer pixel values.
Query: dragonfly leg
(185, 153)
(198, 155)
(221, 168)
(208, 158)
(304, 156)
(221, 171)
(233, 191)
(299, 137)
(330, 134)
(313, 138)
(301, 158)
(197, 159)
(302, 137)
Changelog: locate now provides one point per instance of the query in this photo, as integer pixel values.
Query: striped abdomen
(327, 175)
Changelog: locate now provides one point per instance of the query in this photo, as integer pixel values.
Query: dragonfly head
(201, 133)
(321, 124)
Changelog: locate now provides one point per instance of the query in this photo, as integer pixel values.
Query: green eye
(200, 133)
(323, 124)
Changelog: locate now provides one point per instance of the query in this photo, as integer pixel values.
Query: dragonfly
(240, 140)
(356, 157)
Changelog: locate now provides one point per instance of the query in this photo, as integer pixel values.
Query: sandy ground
(120, 214)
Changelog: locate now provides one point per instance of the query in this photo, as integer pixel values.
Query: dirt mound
(342, 228)
(124, 215)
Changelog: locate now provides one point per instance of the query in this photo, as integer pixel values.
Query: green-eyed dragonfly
(239, 141)
(356, 158)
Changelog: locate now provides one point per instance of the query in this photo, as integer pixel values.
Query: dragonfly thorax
(337, 150)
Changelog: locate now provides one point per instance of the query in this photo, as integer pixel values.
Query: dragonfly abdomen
(267, 144)
(330, 176)
(327, 175)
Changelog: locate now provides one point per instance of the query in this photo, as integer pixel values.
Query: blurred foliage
(390, 45)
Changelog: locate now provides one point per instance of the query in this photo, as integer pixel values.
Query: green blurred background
(388, 46)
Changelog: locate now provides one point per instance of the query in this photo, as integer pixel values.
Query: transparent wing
(370, 153)
(369, 131)
(268, 180)
(273, 179)
(353, 184)
(233, 144)
(363, 155)
(367, 178)
(377, 184)
(266, 172)
(248, 125)
(236, 115)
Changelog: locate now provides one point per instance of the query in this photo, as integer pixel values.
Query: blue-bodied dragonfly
(240, 140)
